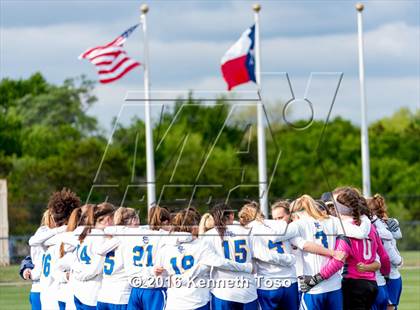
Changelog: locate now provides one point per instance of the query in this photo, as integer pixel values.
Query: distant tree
(48, 141)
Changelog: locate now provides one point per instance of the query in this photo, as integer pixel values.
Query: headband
(342, 209)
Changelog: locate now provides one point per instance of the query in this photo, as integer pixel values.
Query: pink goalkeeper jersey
(358, 251)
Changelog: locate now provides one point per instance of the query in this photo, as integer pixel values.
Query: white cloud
(392, 58)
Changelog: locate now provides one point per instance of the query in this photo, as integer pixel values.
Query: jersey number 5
(109, 263)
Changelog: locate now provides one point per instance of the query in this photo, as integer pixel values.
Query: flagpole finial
(144, 8)
(256, 7)
(360, 7)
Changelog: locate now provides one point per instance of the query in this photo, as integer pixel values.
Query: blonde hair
(249, 213)
(206, 223)
(307, 203)
(125, 216)
(47, 219)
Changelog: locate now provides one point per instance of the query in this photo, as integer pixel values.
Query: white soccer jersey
(189, 258)
(87, 270)
(115, 276)
(395, 258)
(236, 246)
(390, 245)
(71, 241)
(140, 247)
(36, 242)
(273, 259)
(283, 230)
(50, 276)
(347, 227)
(380, 280)
(382, 229)
(61, 271)
(37, 253)
(323, 233)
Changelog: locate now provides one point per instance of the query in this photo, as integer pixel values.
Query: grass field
(14, 292)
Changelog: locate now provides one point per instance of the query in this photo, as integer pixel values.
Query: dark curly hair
(352, 199)
(61, 204)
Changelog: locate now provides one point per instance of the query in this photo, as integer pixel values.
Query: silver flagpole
(262, 156)
(364, 125)
(150, 161)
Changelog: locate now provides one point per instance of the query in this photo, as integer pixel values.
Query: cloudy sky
(313, 41)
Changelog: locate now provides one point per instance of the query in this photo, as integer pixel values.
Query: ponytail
(185, 221)
(206, 223)
(377, 205)
(74, 219)
(249, 213)
(220, 214)
(47, 219)
(158, 216)
(77, 218)
(351, 199)
(94, 215)
(307, 203)
(125, 216)
(73, 222)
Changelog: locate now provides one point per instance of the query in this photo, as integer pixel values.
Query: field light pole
(262, 152)
(364, 125)
(150, 160)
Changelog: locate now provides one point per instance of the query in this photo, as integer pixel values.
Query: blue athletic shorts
(323, 301)
(282, 298)
(220, 304)
(381, 301)
(35, 300)
(394, 291)
(147, 299)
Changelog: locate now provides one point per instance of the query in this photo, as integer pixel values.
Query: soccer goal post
(4, 225)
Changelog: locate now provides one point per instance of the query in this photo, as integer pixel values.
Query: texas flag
(238, 64)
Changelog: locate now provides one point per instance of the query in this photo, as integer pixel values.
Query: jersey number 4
(84, 257)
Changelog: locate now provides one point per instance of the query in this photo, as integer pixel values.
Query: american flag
(111, 61)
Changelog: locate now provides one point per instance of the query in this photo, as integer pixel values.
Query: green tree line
(203, 151)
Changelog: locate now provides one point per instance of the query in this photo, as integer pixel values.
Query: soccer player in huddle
(60, 206)
(359, 288)
(390, 291)
(99, 257)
